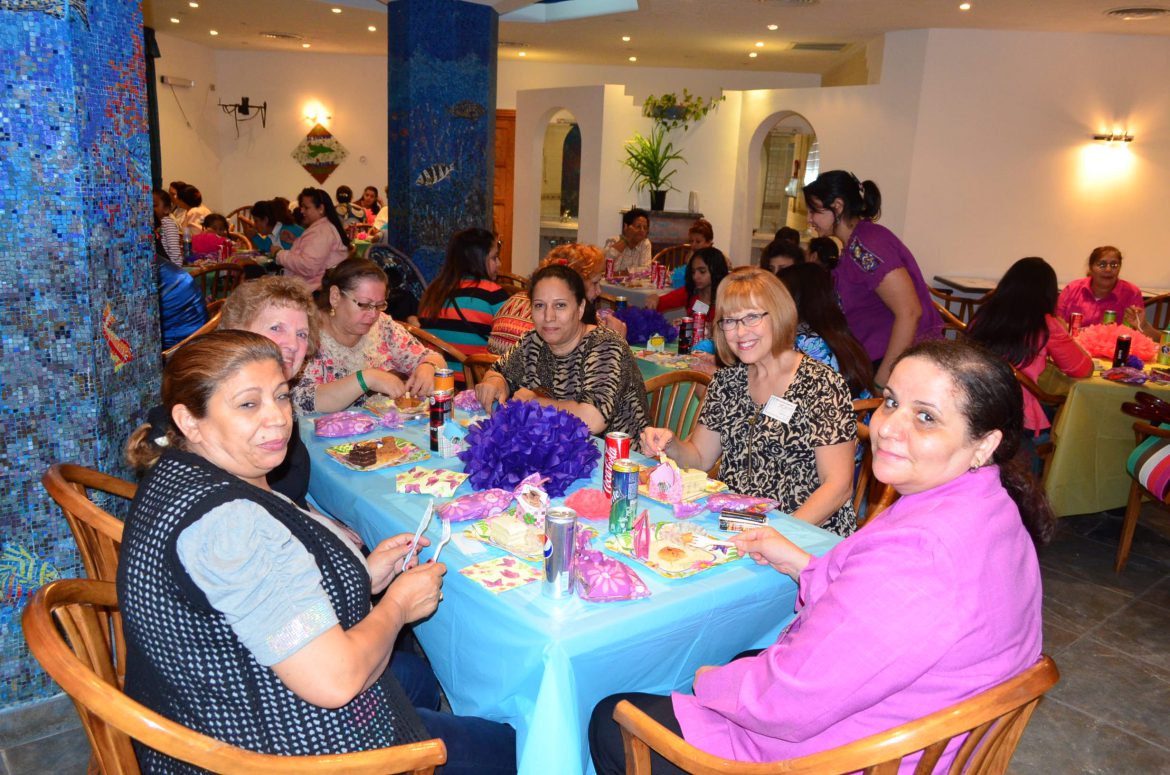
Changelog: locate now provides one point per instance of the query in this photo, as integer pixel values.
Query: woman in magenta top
(704, 271)
(883, 295)
(1017, 324)
(1103, 290)
(934, 602)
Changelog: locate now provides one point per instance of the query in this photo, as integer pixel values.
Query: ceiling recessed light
(174, 20)
(625, 38)
(759, 44)
(522, 54)
(193, 5)
(773, 27)
(214, 32)
(372, 28)
(306, 45)
(633, 59)
(753, 55)
(335, 10)
(964, 6)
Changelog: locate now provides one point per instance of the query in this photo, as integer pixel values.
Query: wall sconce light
(315, 113)
(1114, 137)
(243, 108)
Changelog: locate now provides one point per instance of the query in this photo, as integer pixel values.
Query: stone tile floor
(1109, 635)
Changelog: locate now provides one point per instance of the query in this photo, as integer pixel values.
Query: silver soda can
(560, 534)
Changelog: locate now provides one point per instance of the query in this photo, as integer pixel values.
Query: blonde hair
(251, 298)
(586, 260)
(751, 286)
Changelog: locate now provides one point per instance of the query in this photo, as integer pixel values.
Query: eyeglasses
(1108, 264)
(366, 306)
(750, 320)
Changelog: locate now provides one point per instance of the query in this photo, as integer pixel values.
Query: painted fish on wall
(468, 109)
(21, 572)
(435, 174)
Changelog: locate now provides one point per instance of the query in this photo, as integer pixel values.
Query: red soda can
(660, 280)
(617, 447)
(1074, 323)
(1121, 350)
(225, 250)
(700, 328)
(686, 335)
(609, 267)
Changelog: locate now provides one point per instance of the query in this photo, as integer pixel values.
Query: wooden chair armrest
(1144, 430)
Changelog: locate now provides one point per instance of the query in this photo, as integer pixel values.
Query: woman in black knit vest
(249, 619)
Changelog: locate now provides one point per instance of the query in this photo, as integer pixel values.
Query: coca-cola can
(1074, 323)
(1121, 350)
(609, 267)
(686, 335)
(560, 544)
(617, 447)
(699, 331)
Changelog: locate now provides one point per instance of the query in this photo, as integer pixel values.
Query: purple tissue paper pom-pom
(641, 323)
(524, 438)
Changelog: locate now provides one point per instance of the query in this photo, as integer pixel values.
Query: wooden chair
(98, 533)
(446, 349)
(476, 366)
(214, 312)
(675, 400)
(217, 281)
(995, 720)
(674, 256)
(1137, 493)
(870, 497)
(951, 323)
(73, 628)
(961, 307)
(1158, 311)
(237, 218)
(507, 278)
(241, 241)
(1052, 400)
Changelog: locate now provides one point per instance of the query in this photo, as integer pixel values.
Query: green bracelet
(362, 382)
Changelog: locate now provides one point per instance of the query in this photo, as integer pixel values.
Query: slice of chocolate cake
(364, 454)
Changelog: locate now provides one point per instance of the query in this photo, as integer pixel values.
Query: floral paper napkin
(429, 481)
(501, 574)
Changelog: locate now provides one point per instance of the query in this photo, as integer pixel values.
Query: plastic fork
(444, 538)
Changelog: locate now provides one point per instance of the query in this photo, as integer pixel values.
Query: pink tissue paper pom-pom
(1100, 340)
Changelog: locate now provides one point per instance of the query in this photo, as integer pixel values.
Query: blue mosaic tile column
(442, 75)
(79, 338)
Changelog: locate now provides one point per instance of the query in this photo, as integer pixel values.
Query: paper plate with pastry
(408, 404)
(510, 532)
(677, 549)
(372, 454)
(669, 484)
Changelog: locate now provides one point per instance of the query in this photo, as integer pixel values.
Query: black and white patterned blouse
(600, 371)
(768, 458)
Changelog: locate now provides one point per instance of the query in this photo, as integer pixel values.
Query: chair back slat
(674, 256)
(870, 497)
(675, 400)
(97, 532)
(1158, 311)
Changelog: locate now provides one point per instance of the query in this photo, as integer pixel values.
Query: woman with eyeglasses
(361, 349)
(462, 301)
(1101, 291)
(782, 422)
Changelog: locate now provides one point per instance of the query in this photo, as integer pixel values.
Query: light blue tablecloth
(542, 665)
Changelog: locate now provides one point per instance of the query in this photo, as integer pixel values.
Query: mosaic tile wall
(442, 117)
(79, 335)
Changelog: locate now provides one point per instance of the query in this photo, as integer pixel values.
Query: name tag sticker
(779, 409)
(700, 308)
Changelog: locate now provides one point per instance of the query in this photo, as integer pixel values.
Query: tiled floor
(1109, 635)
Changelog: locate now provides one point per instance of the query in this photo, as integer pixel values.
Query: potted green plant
(650, 160)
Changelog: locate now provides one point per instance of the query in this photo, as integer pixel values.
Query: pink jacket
(1068, 356)
(317, 250)
(936, 601)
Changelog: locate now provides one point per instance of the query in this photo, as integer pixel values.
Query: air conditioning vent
(289, 36)
(511, 44)
(1137, 13)
(818, 46)
(788, 2)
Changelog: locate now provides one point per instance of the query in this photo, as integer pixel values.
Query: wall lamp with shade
(1114, 137)
(315, 113)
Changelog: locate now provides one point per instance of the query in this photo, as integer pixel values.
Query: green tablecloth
(1093, 438)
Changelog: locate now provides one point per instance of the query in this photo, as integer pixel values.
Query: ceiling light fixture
(174, 20)
(335, 10)
(193, 5)
(522, 54)
(214, 32)
(625, 38)
(633, 59)
(753, 55)
(964, 6)
(773, 27)
(759, 44)
(372, 28)
(1114, 137)
(306, 45)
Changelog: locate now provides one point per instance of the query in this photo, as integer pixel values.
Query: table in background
(542, 665)
(636, 297)
(1093, 438)
(979, 285)
(670, 360)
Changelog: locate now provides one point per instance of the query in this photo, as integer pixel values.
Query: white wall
(1004, 166)
(188, 118)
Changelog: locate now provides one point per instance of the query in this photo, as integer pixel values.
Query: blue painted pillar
(79, 337)
(442, 79)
